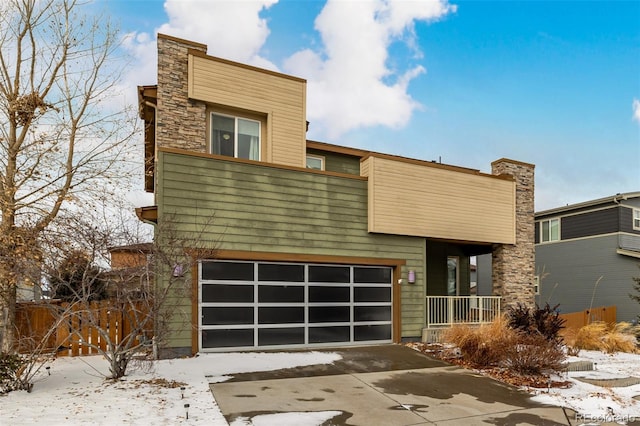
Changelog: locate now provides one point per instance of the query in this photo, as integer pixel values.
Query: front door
(453, 276)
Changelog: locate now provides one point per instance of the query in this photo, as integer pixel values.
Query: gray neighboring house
(587, 254)
(577, 244)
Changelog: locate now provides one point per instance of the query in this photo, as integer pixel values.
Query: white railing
(450, 310)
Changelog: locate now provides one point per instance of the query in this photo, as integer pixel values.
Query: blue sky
(468, 82)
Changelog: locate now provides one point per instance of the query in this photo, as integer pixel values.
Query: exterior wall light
(411, 278)
(178, 271)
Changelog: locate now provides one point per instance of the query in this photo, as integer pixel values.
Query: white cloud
(232, 29)
(636, 110)
(141, 47)
(350, 84)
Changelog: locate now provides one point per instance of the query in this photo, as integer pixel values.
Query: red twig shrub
(532, 354)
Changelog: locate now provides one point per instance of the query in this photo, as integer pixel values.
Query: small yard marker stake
(48, 370)
(181, 392)
(186, 410)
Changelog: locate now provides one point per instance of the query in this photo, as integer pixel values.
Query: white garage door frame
(318, 304)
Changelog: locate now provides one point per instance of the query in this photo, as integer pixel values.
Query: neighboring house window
(235, 136)
(636, 219)
(315, 162)
(550, 230)
(536, 285)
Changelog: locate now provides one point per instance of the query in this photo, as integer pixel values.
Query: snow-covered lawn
(600, 402)
(76, 393)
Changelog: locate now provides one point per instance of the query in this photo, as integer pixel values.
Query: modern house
(316, 244)
(588, 253)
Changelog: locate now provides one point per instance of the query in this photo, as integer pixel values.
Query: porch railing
(445, 311)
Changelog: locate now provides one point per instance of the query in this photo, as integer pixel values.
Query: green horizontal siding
(340, 163)
(267, 209)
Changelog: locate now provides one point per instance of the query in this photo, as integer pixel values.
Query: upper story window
(550, 230)
(235, 136)
(636, 219)
(315, 162)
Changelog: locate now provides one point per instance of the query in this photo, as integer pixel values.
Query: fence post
(95, 318)
(75, 324)
(103, 321)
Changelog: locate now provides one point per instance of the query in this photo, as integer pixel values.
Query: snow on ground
(600, 402)
(77, 393)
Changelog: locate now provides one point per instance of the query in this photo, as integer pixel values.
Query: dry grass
(602, 336)
(498, 345)
(588, 337)
(621, 338)
(481, 346)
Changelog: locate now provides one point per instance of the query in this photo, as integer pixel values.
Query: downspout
(155, 141)
(154, 341)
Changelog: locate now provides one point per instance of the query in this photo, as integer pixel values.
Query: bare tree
(34, 346)
(61, 130)
(134, 318)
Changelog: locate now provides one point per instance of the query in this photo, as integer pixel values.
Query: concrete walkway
(385, 385)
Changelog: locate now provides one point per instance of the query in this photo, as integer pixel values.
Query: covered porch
(443, 312)
(456, 290)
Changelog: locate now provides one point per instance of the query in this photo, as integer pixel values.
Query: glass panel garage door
(261, 304)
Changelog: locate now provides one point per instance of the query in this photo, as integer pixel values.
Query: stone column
(181, 122)
(513, 265)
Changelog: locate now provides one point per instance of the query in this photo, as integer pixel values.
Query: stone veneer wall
(181, 123)
(513, 271)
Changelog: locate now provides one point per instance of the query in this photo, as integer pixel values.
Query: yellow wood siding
(409, 198)
(281, 99)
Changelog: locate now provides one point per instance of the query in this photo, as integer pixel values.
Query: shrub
(544, 321)
(519, 317)
(498, 345)
(481, 346)
(11, 366)
(620, 338)
(532, 354)
(77, 278)
(601, 336)
(588, 337)
(569, 339)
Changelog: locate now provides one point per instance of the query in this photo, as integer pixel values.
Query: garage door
(245, 305)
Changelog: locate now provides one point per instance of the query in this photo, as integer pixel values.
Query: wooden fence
(74, 329)
(575, 320)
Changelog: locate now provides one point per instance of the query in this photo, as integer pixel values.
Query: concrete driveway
(384, 385)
